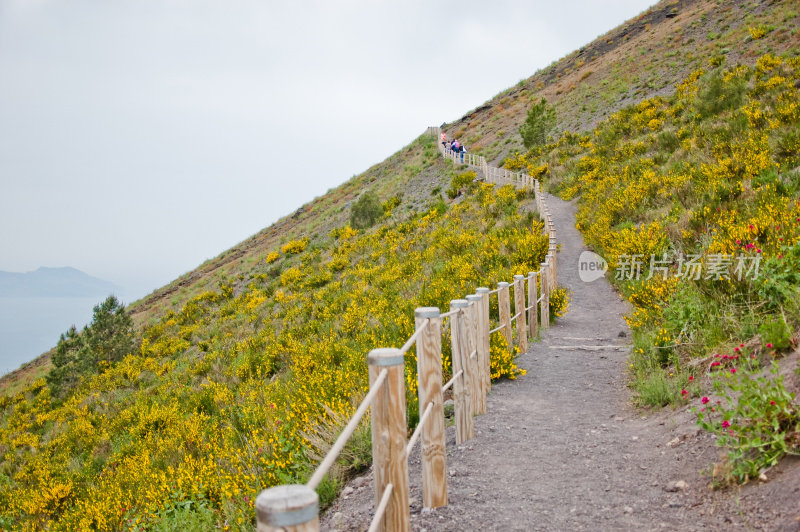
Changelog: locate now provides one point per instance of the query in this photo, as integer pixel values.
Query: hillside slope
(645, 57)
(642, 58)
(239, 358)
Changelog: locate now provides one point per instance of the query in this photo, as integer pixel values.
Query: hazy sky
(139, 138)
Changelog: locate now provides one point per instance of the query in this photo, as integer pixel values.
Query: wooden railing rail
(296, 507)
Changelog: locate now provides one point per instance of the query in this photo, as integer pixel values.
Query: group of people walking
(454, 145)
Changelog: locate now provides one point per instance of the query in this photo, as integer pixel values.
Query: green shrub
(757, 420)
(718, 95)
(776, 333)
(781, 278)
(668, 141)
(366, 211)
(439, 206)
(538, 125)
(185, 515)
(655, 389)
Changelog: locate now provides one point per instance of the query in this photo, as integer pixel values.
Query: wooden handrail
(348, 431)
(410, 341)
(451, 381)
(380, 511)
(295, 507)
(422, 419)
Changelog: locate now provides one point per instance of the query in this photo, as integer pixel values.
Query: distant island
(54, 282)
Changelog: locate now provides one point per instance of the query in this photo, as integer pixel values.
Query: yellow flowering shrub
(294, 247)
(708, 173)
(215, 404)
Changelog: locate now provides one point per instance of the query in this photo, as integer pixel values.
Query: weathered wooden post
(519, 311)
(292, 507)
(533, 297)
(478, 388)
(389, 459)
(543, 278)
(429, 372)
(538, 195)
(554, 251)
(461, 390)
(484, 359)
(505, 311)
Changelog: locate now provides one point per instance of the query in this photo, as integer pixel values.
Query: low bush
(756, 419)
(366, 211)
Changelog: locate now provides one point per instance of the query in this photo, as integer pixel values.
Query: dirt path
(562, 448)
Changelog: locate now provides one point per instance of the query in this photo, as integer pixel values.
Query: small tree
(538, 125)
(107, 339)
(366, 211)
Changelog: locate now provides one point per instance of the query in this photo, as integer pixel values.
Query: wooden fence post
(291, 507)
(461, 389)
(519, 311)
(389, 459)
(484, 359)
(478, 386)
(429, 373)
(505, 311)
(553, 250)
(544, 274)
(470, 349)
(533, 297)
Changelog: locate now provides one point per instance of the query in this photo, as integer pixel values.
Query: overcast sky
(139, 138)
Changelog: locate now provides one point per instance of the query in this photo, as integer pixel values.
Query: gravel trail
(562, 448)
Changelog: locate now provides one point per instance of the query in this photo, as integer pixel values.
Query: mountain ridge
(45, 281)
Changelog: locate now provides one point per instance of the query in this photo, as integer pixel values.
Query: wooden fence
(296, 507)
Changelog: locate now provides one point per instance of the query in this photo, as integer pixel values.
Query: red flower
(772, 403)
(769, 345)
(684, 392)
(733, 370)
(726, 424)
(704, 400)
(691, 378)
(715, 363)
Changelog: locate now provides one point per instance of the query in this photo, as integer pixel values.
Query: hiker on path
(444, 139)
(463, 150)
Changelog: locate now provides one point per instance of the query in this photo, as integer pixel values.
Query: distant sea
(29, 326)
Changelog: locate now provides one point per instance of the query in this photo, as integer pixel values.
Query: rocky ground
(562, 448)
